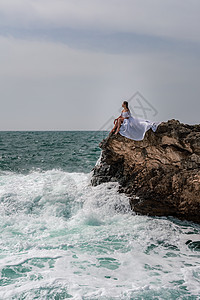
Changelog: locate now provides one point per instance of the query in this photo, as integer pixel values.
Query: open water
(62, 238)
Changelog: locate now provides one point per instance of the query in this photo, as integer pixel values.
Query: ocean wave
(62, 237)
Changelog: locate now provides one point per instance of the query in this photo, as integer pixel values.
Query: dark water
(71, 151)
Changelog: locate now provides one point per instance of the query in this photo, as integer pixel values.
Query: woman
(132, 128)
(124, 115)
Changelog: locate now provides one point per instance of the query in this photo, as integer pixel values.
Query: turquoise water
(62, 238)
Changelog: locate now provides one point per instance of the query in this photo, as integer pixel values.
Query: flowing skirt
(135, 129)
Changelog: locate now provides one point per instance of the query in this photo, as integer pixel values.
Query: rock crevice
(161, 173)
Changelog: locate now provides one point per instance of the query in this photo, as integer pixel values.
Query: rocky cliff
(161, 173)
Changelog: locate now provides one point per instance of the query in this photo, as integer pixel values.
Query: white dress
(134, 128)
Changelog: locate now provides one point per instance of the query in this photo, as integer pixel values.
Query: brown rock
(161, 173)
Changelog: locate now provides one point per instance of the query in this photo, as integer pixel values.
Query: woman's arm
(117, 119)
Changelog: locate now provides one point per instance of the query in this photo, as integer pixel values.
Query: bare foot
(112, 131)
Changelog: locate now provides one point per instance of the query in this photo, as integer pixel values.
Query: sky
(69, 64)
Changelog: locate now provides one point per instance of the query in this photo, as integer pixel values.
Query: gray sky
(69, 64)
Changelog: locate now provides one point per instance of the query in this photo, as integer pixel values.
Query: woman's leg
(114, 128)
(119, 123)
(115, 125)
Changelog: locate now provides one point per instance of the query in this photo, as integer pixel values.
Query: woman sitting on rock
(124, 115)
(132, 128)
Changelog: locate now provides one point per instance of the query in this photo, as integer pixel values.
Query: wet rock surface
(161, 173)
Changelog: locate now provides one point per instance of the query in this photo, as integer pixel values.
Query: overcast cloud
(68, 65)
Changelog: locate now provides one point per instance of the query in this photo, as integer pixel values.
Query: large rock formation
(161, 173)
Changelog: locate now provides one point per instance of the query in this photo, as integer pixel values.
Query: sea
(62, 238)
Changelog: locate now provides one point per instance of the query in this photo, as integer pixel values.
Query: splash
(62, 238)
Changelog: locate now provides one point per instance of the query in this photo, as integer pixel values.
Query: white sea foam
(60, 236)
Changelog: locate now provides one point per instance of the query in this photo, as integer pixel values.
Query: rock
(161, 173)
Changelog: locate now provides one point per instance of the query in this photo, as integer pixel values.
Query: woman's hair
(126, 103)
